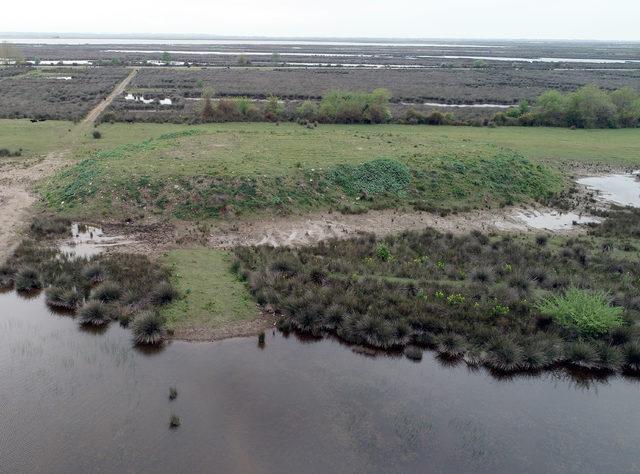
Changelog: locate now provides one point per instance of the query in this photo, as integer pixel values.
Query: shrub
(148, 328)
(27, 279)
(95, 313)
(586, 311)
(382, 252)
(173, 393)
(355, 107)
(96, 134)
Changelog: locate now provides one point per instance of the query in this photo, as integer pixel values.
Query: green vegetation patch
(587, 311)
(233, 169)
(211, 294)
(372, 177)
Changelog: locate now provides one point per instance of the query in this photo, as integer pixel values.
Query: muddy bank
(311, 229)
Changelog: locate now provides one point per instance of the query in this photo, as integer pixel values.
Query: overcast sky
(535, 19)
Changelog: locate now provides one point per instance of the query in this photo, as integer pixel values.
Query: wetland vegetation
(396, 335)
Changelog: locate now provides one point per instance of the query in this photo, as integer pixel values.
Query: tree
(550, 108)
(243, 60)
(166, 57)
(590, 107)
(627, 104)
(308, 110)
(274, 109)
(275, 57)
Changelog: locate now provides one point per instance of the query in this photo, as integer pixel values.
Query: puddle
(554, 220)
(88, 241)
(131, 97)
(623, 189)
(64, 78)
(462, 106)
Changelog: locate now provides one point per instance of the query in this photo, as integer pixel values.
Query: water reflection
(77, 401)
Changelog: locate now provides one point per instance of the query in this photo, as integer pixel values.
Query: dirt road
(106, 102)
(17, 180)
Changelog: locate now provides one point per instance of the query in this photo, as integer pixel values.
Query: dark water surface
(77, 401)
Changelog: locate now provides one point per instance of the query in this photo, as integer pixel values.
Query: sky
(509, 19)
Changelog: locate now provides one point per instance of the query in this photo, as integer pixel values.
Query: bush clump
(588, 312)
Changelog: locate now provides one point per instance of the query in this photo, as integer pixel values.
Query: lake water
(73, 400)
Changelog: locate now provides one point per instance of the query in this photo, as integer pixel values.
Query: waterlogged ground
(77, 401)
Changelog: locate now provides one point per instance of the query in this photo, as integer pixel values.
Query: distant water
(234, 41)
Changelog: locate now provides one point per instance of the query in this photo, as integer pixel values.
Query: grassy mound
(233, 169)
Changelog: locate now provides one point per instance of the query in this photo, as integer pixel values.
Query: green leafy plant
(587, 311)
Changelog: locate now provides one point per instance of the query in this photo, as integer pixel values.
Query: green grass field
(215, 170)
(212, 296)
(557, 145)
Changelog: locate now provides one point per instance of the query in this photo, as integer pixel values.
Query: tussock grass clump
(65, 298)
(413, 353)
(163, 294)
(505, 355)
(173, 393)
(586, 311)
(631, 353)
(107, 292)
(148, 328)
(95, 313)
(582, 354)
(28, 279)
(7, 275)
(94, 272)
(174, 421)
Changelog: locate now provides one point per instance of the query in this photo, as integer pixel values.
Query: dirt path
(93, 115)
(17, 180)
